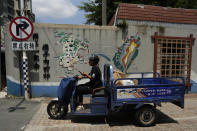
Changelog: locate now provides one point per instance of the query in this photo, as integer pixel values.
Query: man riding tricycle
(142, 97)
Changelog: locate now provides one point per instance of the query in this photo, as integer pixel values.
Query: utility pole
(25, 61)
(0, 56)
(104, 7)
(1, 23)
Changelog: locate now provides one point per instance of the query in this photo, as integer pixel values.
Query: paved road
(15, 114)
(170, 117)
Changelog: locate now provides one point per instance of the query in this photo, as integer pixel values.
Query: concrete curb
(191, 95)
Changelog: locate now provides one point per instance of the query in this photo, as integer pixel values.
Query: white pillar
(25, 76)
(25, 61)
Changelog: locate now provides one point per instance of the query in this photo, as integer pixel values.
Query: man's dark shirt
(96, 77)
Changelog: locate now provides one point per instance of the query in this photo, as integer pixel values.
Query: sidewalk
(170, 117)
(3, 94)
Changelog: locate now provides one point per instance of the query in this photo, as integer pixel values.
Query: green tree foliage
(94, 7)
(187, 4)
(94, 10)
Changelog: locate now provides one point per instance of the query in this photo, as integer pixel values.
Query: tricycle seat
(98, 92)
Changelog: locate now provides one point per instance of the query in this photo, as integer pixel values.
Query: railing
(143, 73)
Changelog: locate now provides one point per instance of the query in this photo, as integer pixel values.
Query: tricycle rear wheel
(146, 116)
(56, 110)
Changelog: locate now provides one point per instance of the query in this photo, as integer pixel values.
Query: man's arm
(86, 75)
(81, 76)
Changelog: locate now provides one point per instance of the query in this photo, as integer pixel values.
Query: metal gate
(173, 56)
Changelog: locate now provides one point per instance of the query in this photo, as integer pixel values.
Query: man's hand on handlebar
(84, 75)
(80, 77)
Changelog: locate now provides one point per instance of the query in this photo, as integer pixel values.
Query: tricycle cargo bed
(150, 90)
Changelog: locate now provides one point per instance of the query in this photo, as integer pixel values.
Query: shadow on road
(119, 119)
(12, 109)
(163, 118)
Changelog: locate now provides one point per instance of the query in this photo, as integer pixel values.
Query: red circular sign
(21, 28)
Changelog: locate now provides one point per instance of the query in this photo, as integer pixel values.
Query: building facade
(7, 12)
(63, 50)
(172, 56)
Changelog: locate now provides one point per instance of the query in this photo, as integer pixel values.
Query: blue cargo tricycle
(142, 98)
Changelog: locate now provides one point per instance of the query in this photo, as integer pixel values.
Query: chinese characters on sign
(26, 46)
(143, 92)
(158, 92)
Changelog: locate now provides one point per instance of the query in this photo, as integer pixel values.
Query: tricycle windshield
(108, 75)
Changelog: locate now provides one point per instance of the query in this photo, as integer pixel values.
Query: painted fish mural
(127, 53)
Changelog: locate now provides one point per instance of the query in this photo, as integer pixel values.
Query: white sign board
(23, 46)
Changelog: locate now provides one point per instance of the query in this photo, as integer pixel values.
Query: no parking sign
(21, 28)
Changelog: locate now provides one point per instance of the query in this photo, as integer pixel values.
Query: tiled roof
(156, 13)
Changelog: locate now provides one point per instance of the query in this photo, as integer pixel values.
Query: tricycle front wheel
(57, 110)
(146, 116)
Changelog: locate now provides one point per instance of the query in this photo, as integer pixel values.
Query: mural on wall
(72, 48)
(127, 53)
